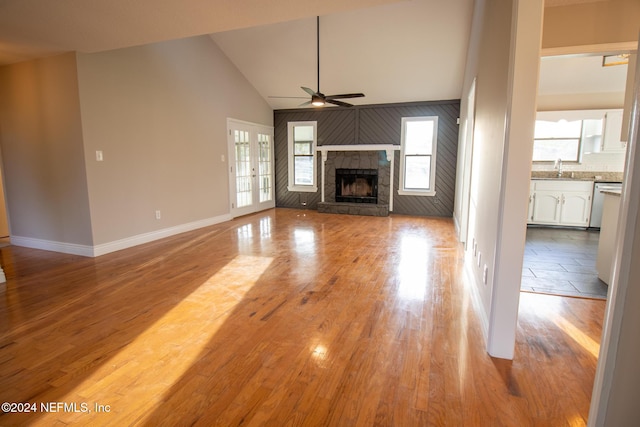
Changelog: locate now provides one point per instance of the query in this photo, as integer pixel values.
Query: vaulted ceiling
(391, 50)
(407, 51)
(32, 28)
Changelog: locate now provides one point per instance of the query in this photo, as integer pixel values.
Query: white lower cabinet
(546, 207)
(560, 202)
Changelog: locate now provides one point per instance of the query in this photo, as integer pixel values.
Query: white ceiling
(35, 28)
(402, 52)
(391, 50)
(573, 74)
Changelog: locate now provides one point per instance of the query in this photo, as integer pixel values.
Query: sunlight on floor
(123, 377)
(576, 421)
(550, 307)
(577, 335)
(463, 343)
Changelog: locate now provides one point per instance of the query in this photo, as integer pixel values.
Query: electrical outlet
(158, 215)
(99, 156)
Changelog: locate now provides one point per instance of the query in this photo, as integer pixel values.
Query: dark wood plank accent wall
(374, 124)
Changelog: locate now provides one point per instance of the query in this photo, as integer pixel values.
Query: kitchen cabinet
(612, 130)
(560, 202)
(546, 207)
(575, 208)
(530, 213)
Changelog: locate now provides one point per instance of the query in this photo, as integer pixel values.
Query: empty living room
(307, 214)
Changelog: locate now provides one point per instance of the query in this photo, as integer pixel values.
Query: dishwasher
(598, 201)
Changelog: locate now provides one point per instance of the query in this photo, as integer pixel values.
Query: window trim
(432, 176)
(557, 140)
(313, 188)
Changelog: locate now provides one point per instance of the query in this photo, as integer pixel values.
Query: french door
(251, 167)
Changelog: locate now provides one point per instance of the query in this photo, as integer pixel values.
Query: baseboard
(140, 239)
(105, 248)
(51, 245)
(456, 227)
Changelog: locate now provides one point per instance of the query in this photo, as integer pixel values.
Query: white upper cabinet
(612, 130)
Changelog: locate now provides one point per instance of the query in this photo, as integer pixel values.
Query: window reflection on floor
(305, 240)
(413, 267)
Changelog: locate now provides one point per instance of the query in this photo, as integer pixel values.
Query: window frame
(431, 191)
(292, 186)
(560, 140)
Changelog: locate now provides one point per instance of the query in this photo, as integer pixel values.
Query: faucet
(558, 165)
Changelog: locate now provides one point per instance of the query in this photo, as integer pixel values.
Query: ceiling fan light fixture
(317, 101)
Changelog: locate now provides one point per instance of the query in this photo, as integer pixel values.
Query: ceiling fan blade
(309, 91)
(339, 103)
(304, 104)
(345, 95)
(288, 97)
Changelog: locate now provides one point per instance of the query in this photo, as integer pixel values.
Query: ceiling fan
(319, 99)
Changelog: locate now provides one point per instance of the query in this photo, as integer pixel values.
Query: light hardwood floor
(286, 317)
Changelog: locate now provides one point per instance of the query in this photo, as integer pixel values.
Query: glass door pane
(265, 166)
(244, 190)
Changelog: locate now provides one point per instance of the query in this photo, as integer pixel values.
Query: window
(302, 156)
(418, 156)
(565, 140)
(557, 140)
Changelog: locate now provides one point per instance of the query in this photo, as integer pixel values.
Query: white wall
(507, 72)
(617, 382)
(42, 152)
(158, 113)
(590, 23)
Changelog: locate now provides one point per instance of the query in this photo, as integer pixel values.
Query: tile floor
(562, 262)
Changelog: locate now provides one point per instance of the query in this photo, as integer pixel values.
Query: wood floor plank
(286, 317)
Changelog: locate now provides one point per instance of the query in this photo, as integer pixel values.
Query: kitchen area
(576, 177)
(571, 221)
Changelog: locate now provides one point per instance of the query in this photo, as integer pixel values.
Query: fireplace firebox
(357, 185)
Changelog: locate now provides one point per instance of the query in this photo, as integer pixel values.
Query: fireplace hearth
(357, 185)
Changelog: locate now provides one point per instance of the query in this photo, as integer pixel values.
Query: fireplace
(357, 185)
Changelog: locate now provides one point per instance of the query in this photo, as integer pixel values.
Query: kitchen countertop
(579, 176)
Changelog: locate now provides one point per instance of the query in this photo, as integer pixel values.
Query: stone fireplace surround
(357, 157)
